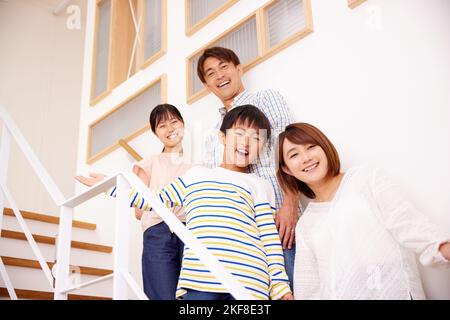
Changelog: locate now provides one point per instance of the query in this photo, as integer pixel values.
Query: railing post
(5, 148)
(63, 253)
(120, 286)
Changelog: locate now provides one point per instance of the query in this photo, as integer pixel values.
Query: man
(221, 72)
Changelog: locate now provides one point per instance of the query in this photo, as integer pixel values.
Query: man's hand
(286, 219)
(94, 178)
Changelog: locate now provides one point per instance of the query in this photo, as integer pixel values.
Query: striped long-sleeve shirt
(232, 214)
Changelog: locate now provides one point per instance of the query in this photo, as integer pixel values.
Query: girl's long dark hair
(163, 112)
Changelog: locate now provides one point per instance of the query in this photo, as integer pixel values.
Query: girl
(162, 251)
(357, 235)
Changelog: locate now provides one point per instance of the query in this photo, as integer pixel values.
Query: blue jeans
(203, 295)
(289, 257)
(161, 262)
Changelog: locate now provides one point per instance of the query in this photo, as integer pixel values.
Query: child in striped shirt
(232, 213)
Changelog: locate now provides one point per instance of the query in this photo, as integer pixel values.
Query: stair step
(49, 219)
(44, 295)
(51, 240)
(27, 263)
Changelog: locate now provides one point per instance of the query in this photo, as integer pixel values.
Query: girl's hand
(445, 250)
(94, 179)
(287, 296)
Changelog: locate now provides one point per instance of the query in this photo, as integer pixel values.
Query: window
(101, 50)
(135, 39)
(352, 4)
(126, 121)
(200, 12)
(265, 32)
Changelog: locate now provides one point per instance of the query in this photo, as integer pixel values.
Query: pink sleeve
(146, 165)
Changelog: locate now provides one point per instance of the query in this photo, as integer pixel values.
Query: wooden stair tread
(49, 219)
(44, 295)
(51, 240)
(26, 263)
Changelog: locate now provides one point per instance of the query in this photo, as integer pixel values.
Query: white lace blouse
(361, 244)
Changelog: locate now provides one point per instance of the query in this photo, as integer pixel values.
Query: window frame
(352, 4)
(115, 74)
(91, 158)
(191, 29)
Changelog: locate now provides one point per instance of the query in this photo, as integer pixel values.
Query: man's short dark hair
(220, 53)
(246, 114)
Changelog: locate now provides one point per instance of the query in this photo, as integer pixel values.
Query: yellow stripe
(231, 233)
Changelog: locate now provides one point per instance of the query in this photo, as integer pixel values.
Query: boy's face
(242, 145)
(223, 79)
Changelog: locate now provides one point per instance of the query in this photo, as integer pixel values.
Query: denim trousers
(161, 262)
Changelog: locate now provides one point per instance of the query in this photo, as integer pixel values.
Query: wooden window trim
(264, 52)
(93, 158)
(191, 29)
(163, 49)
(352, 4)
(112, 82)
(95, 100)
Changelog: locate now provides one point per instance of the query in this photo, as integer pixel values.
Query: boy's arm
(146, 179)
(171, 195)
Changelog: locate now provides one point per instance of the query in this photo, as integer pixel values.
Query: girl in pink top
(163, 250)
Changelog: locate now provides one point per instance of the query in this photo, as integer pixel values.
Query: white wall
(374, 79)
(40, 85)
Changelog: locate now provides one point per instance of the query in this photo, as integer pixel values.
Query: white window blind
(153, 27)
(126, 120)
(102, 48)
(200, 9)
(243, 41)
(284, 18)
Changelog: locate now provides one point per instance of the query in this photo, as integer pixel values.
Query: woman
(358, 234)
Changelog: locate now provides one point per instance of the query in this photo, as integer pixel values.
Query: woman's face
(306, 162)
(170, 132)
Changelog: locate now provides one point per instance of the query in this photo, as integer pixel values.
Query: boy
(232, 213)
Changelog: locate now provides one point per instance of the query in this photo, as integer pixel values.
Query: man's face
(223, 79)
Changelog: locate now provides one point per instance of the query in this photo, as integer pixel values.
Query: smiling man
(221, 72)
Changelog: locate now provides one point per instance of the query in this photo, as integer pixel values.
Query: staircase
(91, 260)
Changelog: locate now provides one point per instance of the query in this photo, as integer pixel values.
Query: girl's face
(306, 162)
(170, 132)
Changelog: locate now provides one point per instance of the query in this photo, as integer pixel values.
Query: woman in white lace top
(357, 237)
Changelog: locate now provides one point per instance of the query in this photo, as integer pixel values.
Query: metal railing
(122, 279)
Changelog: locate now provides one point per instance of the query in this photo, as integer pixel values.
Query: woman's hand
(94, 179)
(445, 250)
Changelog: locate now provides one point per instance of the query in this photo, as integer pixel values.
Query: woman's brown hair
(304, 133)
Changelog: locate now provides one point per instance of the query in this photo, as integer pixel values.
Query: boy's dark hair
(220, 53)
(246, 114)
(163, 112)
